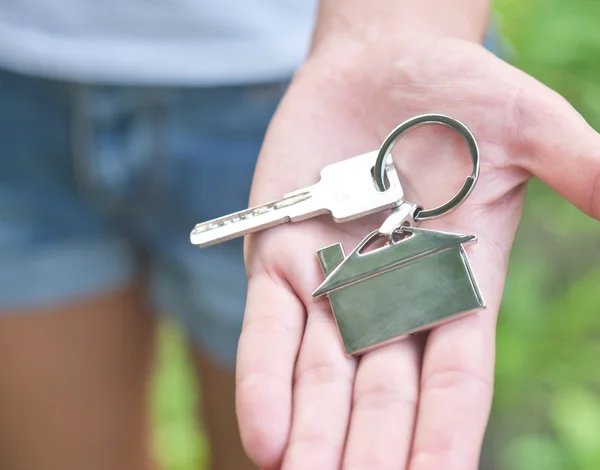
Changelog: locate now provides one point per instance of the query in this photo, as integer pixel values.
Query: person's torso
(156, 41)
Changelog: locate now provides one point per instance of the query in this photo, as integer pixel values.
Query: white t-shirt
(176, 42)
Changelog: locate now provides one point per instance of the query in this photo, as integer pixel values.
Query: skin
(422, 403)
(75, 382)
(73, 387)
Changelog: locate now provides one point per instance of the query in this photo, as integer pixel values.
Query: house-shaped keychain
(401, 288)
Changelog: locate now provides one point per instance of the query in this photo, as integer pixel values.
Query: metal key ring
(414, 123)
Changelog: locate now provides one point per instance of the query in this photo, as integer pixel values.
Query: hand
(417, 404)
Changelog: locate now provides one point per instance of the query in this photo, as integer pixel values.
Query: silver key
(346, 190)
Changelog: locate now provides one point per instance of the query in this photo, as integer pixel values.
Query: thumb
(558, 146)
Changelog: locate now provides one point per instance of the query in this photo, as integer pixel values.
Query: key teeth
(208, 226)
(199, 228)
(199, 233)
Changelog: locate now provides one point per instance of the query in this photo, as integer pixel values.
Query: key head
(348, 189)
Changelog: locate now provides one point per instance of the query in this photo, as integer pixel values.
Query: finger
(456, 391)
(458, 364)
(557, 145)
(269, 344)
(322, 396)
(384, 407)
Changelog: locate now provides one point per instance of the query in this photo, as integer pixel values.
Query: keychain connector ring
(412, 124)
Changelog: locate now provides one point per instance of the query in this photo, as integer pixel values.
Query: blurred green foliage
(178, 441)
(546, 412)
(547, 401)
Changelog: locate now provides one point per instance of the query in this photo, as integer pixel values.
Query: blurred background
(547, 403)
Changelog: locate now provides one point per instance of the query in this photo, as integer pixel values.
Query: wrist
(349, 62)
(355, 24)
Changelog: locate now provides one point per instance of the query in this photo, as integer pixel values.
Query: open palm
(420, 403)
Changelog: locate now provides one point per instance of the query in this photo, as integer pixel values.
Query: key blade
(298, 204)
